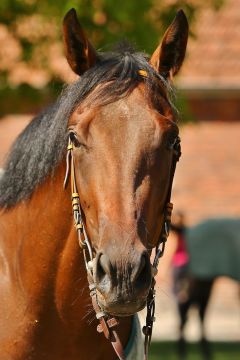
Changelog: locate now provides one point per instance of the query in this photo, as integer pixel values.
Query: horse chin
(122, 308)
(125, 312)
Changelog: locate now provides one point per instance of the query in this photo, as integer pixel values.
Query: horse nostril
(143, 273)
(103, 267)
(142, 266)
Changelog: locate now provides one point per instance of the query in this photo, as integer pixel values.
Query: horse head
(123, 130)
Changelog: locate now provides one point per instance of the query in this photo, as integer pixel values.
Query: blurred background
(206, 188)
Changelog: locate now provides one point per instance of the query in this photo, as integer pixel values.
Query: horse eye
(74, 139)
(171, 142)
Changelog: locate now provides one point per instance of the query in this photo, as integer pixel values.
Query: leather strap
(159, 251)
(107, 325)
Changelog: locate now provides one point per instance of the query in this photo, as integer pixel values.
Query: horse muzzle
(122, 283)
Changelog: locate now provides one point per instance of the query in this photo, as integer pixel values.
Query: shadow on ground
(219, 350)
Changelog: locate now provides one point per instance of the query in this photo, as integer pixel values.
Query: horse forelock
(42, 145)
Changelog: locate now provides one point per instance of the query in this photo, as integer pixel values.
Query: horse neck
(40, 242)
(47, 290)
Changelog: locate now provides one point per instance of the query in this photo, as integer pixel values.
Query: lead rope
(106, 324)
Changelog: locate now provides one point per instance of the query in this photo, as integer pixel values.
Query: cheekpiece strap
(159, 251)
(106, 324)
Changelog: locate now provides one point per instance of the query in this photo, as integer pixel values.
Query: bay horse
(118, 128)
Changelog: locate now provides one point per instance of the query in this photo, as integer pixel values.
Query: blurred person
(180, 273)
(180, 259)
(187, 289)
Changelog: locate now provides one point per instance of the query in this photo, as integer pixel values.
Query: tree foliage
(31, 49)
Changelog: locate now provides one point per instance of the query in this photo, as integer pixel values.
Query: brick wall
(207, 181)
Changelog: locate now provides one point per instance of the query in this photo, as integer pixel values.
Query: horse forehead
(132, 114)
(135, 104)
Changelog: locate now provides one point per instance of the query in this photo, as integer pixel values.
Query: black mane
(42, 145)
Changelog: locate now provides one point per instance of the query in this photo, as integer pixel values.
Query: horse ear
(168, 57)
(80, 53)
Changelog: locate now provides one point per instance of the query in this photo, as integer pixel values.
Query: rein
(107, 323)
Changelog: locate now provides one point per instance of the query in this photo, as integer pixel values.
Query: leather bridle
(107, 323)
(160, 247)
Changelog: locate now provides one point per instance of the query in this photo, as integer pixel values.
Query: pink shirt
(180, 257)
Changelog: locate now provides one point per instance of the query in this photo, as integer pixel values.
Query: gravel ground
(222, 317)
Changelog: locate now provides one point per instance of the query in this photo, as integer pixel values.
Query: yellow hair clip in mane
(143, 73)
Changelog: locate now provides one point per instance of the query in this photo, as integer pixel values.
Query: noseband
(107, 323)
